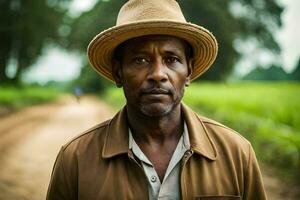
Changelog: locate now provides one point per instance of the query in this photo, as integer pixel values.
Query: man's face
(153, 71)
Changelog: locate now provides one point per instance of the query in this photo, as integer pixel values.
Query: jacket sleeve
(254, 188)
(60, 186)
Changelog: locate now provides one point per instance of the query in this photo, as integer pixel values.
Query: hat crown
(149, 10)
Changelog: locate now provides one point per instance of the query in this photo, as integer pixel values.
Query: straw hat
(152, 17)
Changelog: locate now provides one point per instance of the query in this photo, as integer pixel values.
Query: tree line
(26, 27)
(273, 73)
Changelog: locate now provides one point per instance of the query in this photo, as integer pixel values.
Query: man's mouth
(156, 94)
(156, 91)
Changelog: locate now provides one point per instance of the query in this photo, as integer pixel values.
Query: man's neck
(155, 130)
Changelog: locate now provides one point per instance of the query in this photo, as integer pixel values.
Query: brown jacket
(96, 165)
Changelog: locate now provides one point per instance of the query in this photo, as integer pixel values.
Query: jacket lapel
(117, 138)
(200, 140)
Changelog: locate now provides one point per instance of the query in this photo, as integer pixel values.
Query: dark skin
(153, 71)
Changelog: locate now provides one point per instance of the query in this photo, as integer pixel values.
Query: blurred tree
(232, 21)
(295, 75)
(229, 20)
(83, 29)
(90, 81)
(273, 73)
(87, 25)
(25, 28)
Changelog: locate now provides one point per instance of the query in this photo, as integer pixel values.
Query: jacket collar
(117, 136)
(200, 140)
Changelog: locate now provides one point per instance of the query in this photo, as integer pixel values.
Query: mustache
(156, 90)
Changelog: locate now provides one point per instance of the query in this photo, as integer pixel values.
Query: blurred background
(49, 93)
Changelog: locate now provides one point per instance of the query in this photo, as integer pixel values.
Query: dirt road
(30, 140)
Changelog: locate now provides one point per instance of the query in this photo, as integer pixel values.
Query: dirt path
(30, 140)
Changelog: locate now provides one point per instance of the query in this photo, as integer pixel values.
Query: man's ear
(117, 72)
(190, 66)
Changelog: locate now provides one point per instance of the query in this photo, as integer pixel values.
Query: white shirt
(170, 187)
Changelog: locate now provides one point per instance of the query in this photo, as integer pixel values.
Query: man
(155, 147)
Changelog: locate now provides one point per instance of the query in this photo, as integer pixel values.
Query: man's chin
(156, 109)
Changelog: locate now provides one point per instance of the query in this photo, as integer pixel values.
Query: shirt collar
(117, 135)
(184, 143)
(185, 135)
(136, 149)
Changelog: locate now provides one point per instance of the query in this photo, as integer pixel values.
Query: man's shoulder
(221, 133)
(225, 141)
(219, 126)
(92, 135)
(215, 130)
(223, 129)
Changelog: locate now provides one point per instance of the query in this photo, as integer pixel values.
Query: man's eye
(171, 60)
(141, 60)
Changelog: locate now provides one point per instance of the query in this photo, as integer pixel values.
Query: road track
(30, 140)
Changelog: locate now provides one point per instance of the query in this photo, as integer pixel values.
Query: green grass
(115, 97)
(274, 101)
(13, 98)
(267, 114)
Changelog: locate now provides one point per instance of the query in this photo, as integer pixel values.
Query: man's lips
(156, 91)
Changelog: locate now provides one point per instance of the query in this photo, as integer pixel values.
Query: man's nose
(157, 71)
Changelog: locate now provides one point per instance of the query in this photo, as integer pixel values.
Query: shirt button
(187, 154)
(153, 179)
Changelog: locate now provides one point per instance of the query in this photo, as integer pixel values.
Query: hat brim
(101, 48)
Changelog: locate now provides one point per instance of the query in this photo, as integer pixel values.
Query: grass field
(267, 114)
(12, 98)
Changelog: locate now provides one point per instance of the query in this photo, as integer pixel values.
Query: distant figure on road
(155, 147)
(78, 93)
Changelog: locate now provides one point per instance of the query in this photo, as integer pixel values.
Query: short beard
(163, 110)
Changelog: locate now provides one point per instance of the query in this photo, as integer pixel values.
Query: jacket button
(187, 154)
(153, 179)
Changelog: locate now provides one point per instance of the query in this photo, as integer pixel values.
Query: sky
(58, 65)
(289, 35)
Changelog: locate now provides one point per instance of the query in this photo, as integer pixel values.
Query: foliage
(273, 73)
(101, 17)
(234, 20)
(91, 82)
(228, 20)
(295, 75)
(266, 114)
(115, 97)
(90, 23)
(13, 98)
(25, 28)
(222, 24)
